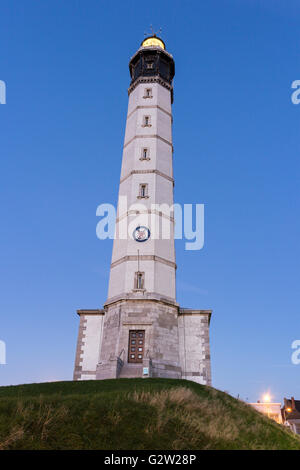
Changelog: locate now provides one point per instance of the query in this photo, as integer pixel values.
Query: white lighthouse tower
(142, 331)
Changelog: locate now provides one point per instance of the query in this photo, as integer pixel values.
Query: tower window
(148, 92)
(146, 121)
(145, 154)
(143, 192)
(139, 281)
(136, 356)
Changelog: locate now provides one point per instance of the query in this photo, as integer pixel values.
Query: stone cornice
(124, 259)
(149, 211)
(191, 311)
(149, 107)
(147, 136)
(90, 312)
(151, 80)
(148, 297)
(140, 172)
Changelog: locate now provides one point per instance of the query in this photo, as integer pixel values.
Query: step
(131, 370)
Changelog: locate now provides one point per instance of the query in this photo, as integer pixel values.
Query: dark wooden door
(136, 345)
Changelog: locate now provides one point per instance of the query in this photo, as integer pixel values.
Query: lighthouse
(141, 331)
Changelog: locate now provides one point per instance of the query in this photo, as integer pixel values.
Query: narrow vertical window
(143, 192)
(147, 121)
(148, 93)
(139, 281)
(145, 154)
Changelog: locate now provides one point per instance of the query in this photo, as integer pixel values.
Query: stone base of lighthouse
(138, 337)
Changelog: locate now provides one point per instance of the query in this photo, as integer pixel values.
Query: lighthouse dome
(153, 41)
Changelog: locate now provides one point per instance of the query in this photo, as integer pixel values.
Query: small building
(272, 410)
(291, 414)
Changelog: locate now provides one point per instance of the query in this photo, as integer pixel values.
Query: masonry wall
(157, 255)
(88, 345)
(193, 327)
(176, 344)
(158, 320)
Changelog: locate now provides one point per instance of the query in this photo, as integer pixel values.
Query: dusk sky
(236, 150)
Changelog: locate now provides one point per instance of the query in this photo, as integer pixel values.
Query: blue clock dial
(141, 234)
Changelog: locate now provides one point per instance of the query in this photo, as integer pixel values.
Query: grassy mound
(153, 414)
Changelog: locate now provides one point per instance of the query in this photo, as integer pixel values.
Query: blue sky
(236, 139)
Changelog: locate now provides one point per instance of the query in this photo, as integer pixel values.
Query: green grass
(153, 414)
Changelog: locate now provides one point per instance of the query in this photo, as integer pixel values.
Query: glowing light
(153, 41)
(266, 398)
(289, 410)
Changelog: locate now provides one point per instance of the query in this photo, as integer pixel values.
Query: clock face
(141, 234)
